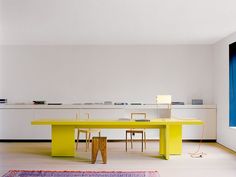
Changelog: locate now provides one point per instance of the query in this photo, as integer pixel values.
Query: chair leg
(145, 140)
(86, 141)
(89, 139)
(99, 133)
(142, 141)
(131, 140)
(126, 141)
(77, 140)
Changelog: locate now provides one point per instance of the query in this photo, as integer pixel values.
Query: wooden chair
(133, 131)
(86, 131)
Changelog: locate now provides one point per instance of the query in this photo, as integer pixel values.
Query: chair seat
(135, 131)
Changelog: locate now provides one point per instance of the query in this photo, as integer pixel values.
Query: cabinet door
(56, 113)
(16, 124)
(208, 116)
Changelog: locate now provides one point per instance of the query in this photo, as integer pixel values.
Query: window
(232, 84)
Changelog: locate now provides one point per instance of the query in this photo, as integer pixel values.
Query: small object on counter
(124, 119)
(177, 103)
(88, 103)
(135, 103)
(150, 104)
(54, 103)
(142, 120)
(120, 103)
(39, 102)
(108, 102)
(3, 100)
(197, 102)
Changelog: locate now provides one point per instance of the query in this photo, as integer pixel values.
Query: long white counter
(15, 119)
(94, 106)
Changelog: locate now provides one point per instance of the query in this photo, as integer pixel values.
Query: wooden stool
(99, 143)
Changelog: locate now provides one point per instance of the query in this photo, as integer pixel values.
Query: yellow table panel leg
(170, 140)
(175, 135)
(167, 142)
(162, 141)
(63, 140)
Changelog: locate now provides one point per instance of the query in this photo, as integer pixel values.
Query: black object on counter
(3, 100)
(39, 102)
(177, 103)
(120, 103)
(54, 103)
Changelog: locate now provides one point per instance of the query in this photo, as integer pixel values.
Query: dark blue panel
(232, 84)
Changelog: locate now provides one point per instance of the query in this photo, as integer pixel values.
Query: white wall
(225, 134)
(99, 73)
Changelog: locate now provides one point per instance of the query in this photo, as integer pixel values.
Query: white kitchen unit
(206, 113)
(15, 120)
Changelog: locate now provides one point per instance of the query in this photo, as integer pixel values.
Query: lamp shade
(163, 99)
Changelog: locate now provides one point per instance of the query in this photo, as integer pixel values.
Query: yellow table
(63, 137)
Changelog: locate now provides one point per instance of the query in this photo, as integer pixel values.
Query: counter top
(72, 106)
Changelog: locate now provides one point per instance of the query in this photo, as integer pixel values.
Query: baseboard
(110, 140)
(205, 140)
(24, 140)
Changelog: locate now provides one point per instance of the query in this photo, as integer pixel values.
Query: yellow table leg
(170, 140)
(162, 141)
(63, 140)
(175, 135)
(167, 142)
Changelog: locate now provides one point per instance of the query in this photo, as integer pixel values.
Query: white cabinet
(208, 116)
(16, 124)
(15, 120)
(54, 113)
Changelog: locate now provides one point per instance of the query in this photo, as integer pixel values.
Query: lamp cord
(198, 154)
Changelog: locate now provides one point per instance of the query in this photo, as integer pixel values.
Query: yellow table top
(104, 123)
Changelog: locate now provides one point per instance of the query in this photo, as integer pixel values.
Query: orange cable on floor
(198, 154)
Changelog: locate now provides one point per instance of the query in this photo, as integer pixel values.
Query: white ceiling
(116, 22)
